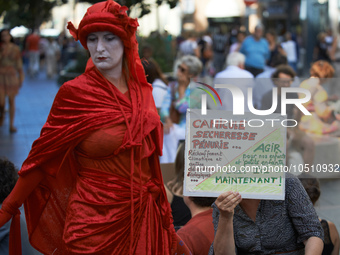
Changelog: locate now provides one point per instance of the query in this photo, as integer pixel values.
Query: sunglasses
(284, 82)
(182, 69)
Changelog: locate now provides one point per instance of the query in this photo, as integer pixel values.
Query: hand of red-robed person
(10, 207)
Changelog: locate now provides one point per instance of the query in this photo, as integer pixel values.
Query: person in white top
(289, 47)
(236, 75)
(241, 35)
(156, 78)
(189, 46)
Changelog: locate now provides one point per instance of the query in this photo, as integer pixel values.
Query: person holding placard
(253, 226)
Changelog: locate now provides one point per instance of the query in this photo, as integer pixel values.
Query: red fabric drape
(80, 107)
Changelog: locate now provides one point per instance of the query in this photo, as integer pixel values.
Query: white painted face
(106, 50)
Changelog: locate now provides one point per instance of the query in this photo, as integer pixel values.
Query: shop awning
(19, 31)
(225, 8)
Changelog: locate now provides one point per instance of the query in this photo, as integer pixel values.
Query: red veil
(82, 106)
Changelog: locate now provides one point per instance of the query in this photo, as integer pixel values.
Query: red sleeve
(10, 207)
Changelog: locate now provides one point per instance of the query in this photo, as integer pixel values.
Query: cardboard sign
(239, 153)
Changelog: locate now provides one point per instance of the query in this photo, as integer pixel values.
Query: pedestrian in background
(274, 47)
(236, 75)
(256, 50)
(289, 46)
(180, 96)
(11, 76)
(32, 46)
(52, 56)
(157, 79)
(220, 45)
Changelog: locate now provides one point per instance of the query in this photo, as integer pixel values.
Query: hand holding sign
(226, 203)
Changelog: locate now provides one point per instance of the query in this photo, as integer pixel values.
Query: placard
(240, 153)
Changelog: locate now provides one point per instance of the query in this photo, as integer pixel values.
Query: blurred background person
(256, 50)
(179, 98)
(321, 50)
(52, 56)
(189, 46)
(220, 45)
(335, 53)
(146, 53)
(283, 77)
(331, 237)
(198, 233)
(263, 82)
(289, 46)
(235, 74)
(159, 83)
(206, 54)
(241, 35)
(11, 76)
(274, 47)
(322, 120)
(300, 147)
(32, 46)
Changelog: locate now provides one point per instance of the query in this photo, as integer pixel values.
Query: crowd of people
(258, 61)
(92, 183)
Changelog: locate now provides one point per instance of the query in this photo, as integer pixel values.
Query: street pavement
(32, 107)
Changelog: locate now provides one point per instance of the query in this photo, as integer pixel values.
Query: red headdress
(106, 16)
(110, 16)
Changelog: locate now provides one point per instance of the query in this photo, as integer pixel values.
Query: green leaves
(32, 13)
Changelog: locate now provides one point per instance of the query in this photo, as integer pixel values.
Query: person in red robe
(92, 182)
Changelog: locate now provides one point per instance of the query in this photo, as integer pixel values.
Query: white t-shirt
(159, 91)
(290, 48)
(188, 47)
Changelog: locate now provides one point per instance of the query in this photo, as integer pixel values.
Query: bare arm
(334, 238)
(313, 246)
(169, 195)
(224, 242)
(224, 239)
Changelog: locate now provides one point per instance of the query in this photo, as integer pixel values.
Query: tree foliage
(30, 13)
(145, 8)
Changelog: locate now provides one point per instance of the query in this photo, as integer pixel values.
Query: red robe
(82, 106)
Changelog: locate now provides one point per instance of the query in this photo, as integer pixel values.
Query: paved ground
(33, 105)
